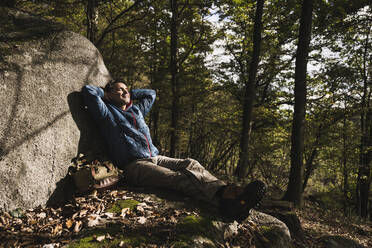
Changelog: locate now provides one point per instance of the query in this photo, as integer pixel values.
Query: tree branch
(109, 28)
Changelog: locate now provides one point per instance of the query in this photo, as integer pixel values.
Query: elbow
(86, 89)
(90, 90)
(153, 95)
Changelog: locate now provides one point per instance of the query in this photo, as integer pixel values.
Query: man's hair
(110, 85)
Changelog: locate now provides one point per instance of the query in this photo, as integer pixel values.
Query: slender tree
(364, 171)
(344, 162)
(250, 93)
(174, 79)
(294, 189)
(92, 20)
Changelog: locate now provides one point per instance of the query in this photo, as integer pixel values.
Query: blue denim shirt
(126, 133)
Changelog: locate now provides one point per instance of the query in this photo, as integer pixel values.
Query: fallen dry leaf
(140, 209)
(69, 223)
(94, 193)
(177, 212)
(78, 226)
(114, 193)
(83, 212)
(141, 220)
(124, 212)
(173, 219)
(26, 229)
(57, 229)
(109, 215)
(99, 238)
(32, 222)
(41, 215)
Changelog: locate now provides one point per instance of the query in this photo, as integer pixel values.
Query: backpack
(92, 175)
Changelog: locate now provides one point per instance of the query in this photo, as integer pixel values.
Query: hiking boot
(236, 201)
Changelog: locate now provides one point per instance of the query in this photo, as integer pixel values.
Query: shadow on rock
(91, 142)
(63, 193)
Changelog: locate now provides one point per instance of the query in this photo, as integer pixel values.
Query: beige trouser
(185, 175)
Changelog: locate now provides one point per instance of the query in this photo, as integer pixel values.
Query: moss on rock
(271, 236)
(120, 204)
(196, 225)
(193, 228)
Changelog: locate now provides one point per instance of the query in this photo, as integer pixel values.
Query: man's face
(119, 95)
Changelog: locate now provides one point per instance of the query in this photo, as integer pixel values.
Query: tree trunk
(310, 167)
(174, 79)
(191, 146)
(364, 178)
(154, 71)
(344, 163)
(364, 174)
(250, 94)
(92, 20)
(294, 189)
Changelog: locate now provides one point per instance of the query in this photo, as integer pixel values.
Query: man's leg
(185, 175)
(206, 184)
(234, 201)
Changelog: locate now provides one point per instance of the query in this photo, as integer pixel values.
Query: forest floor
(150, 220)
(318, 221)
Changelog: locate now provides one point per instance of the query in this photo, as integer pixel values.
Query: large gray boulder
(43, 124)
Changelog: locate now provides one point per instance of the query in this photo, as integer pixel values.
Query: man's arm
(93, 99)
(145, 97)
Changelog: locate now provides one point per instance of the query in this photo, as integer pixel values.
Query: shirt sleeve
(93, 100)
(145, 98)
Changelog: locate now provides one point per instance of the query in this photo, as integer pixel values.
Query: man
(122, 123)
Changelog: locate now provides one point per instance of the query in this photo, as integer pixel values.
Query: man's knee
(193, 164)
(191, 161)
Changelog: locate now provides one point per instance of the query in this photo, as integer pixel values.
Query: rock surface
(271, 231)
(43, 123)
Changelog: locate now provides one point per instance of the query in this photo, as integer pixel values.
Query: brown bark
(294, 189)
(364, 177)
(310, 166)
(250, 94)
(344, 163)
(92, 19)
(154, 116)
(364, 171)
(174, 79)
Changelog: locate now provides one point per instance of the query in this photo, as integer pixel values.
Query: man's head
(117, 93)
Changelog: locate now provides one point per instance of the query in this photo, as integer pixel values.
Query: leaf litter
(57, 227)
